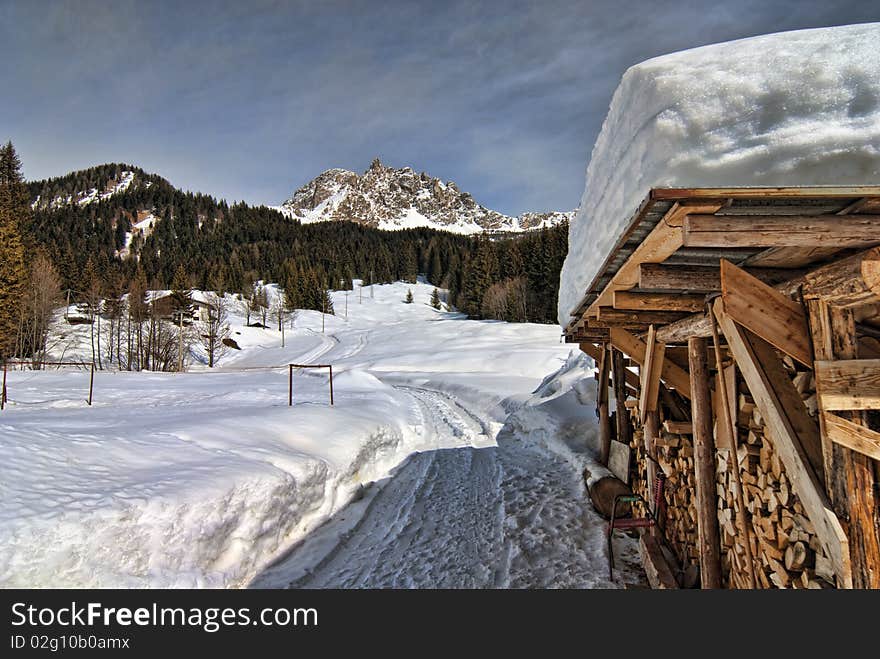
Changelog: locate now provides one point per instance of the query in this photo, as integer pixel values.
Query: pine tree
(14, 215)
(435, 299)
(409, 296)
(181, 295)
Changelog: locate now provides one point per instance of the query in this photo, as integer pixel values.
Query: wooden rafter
(639, 301)
(650, 375)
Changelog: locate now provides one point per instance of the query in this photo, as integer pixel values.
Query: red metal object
(651, 519)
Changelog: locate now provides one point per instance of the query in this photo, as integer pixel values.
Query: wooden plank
(610, 314)
(678, 427)
(657, 570)
(766, 312)
(602, 405)
(700, 278)
(764, 381)
(624, 429)
(848, 384)
(626, 323)
(674, 376)
(650, 375)
(639, 301)
(701, 230)
(618, 460)
(663, 241)
(708, 538)
(852, 436)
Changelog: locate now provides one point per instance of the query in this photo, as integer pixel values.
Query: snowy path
(510, 515)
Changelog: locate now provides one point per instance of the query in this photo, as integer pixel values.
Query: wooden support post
(850, 476)
(3, 393)
(331, 384)
(290, 387)
(624, 430)
(602, 406)
(91, 383)
(708, 537)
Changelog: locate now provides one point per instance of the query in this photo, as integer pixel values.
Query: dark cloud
(248, 100)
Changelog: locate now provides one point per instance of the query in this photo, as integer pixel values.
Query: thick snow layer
(791, 109)
(203, 478)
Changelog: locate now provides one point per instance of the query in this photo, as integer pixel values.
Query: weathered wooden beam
(853, 436)
(708, 538)
(780, 230)
(852, 479)
(701, 278)
(698, 325)
(849, 282)
(822, 192)
(674, 376)
(848, 384)
(766, 378)
(663, 241)
(602, 406)
(766, 312)
(611, 315)
(650, 375)
(657, 570)
(678, 427)
(624, 429)
(639, 301)
(626, 323)
(790, 257)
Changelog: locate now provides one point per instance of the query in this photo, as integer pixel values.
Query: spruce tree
(435, 299)
(181, 295)
(14, 213)
(409, 296)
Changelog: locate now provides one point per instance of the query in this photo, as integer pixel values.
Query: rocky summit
(387, 198)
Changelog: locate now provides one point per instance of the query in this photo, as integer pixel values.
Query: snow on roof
(791, 109)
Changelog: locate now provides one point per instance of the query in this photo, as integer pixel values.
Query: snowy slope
(202, 478)
(791, 109)
(391, 199)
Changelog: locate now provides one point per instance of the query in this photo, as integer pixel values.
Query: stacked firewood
(785, 549)
(675, 455)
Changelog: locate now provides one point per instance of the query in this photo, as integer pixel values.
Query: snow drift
(791, 109)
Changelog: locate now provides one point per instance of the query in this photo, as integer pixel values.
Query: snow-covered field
(204, 478)
(791, 109)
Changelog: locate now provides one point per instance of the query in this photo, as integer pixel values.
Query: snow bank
(791, 109)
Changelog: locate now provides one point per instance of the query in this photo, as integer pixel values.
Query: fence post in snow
(91, 383)
(331, 384)
(290, 387)
(3, 392)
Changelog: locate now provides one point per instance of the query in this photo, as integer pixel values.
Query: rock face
(388, 198)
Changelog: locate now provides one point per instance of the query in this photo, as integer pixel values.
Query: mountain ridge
(391, 198)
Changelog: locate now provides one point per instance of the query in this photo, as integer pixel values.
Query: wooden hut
(736, 331)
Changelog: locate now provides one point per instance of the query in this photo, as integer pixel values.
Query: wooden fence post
(331, 384)
(290, 386)
(3, 393)
(91, 383)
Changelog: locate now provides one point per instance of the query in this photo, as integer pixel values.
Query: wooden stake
(709, 540)
(91, 383)
(290, 387)
(331, 385)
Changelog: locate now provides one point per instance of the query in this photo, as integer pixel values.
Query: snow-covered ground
(204, 478)
(791, 109)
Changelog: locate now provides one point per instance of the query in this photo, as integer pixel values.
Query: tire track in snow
(512, 515)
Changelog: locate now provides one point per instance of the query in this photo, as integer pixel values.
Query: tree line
(152, 236)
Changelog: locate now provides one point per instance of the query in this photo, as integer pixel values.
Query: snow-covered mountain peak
(391, 198)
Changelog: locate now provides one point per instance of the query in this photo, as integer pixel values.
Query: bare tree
(41, 297)
(214, 329)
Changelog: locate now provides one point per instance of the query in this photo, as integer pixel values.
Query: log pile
(675, 453)
(786, 550)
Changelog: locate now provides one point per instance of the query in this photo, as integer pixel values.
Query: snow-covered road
(205, 478)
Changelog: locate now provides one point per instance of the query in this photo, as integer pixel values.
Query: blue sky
(249, 100)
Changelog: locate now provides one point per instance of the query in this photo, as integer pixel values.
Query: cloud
(250, 100)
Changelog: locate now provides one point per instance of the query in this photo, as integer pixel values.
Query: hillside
(132, 224)
(387, 198)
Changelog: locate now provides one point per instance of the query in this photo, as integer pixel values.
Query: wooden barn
(737, 332)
